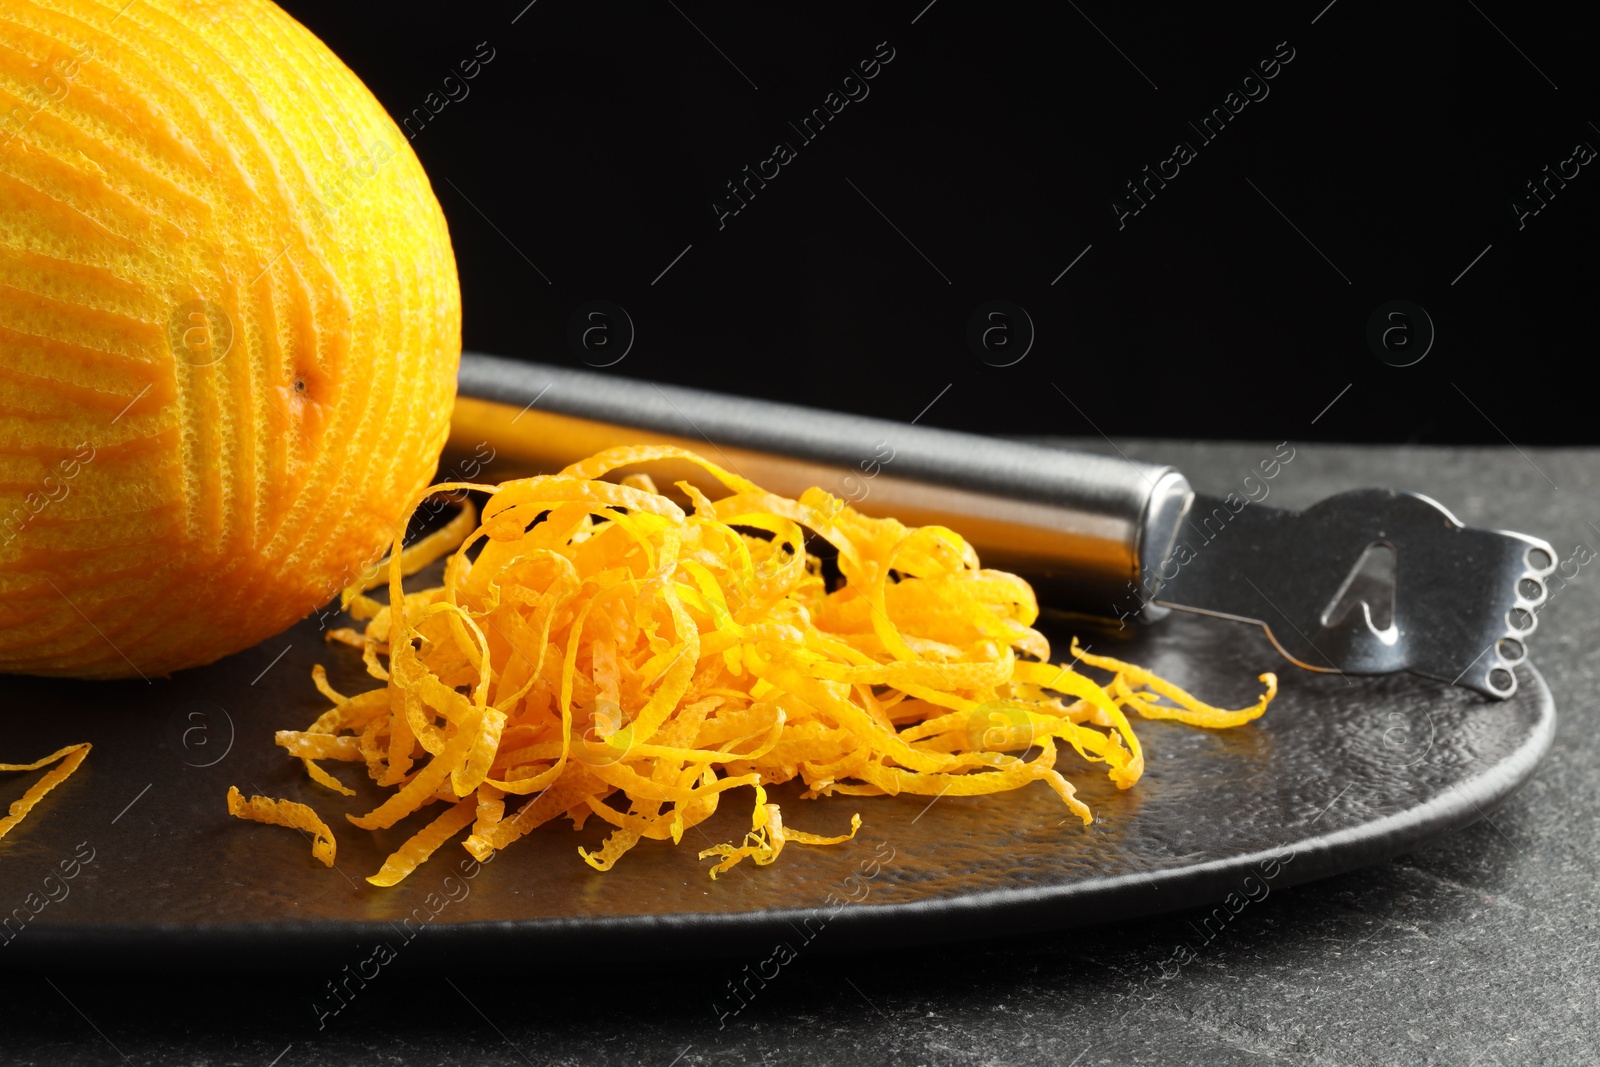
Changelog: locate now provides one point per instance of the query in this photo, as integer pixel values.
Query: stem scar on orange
(230, 325)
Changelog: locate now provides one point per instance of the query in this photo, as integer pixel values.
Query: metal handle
(1085, 528)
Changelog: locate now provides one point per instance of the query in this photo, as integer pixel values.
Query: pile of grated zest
(599, 650)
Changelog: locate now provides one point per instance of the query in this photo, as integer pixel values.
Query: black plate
(1341, 772)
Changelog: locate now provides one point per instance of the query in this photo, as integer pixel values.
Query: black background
(587, 154)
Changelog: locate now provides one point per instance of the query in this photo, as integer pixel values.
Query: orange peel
(597, 648)
(290, 813)
(66, 761)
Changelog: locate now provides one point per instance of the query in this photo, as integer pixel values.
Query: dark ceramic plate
(1341, 772)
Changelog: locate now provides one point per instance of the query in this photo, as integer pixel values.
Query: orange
(230, 325)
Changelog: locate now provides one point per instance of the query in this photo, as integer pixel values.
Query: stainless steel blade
(1365, 582)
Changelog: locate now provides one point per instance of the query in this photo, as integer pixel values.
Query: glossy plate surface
(1341, 772)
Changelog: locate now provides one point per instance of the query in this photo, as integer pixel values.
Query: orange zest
(66, 761)
(598, 649)
(288, 813)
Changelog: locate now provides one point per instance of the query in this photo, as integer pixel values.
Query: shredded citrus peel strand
(66, 761)
(597, 649)
(288, 813)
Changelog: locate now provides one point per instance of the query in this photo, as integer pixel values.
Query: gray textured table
(1477, 950)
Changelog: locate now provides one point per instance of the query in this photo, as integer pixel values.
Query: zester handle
(1084, 528)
